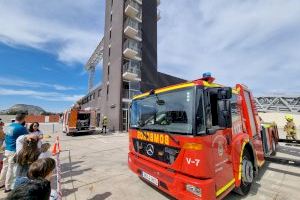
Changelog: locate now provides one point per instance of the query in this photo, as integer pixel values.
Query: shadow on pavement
(289, 150)
(156, 189)
(284, 172)
(101, 196)
(67, 192)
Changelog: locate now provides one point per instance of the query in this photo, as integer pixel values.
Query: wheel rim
(247, 175)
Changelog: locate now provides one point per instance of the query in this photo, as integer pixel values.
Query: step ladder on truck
(198, 140)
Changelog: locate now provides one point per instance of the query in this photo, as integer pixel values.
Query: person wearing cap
(12, 132)
(290, 127)
(104, 124)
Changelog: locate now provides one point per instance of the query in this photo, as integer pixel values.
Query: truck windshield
(167, 112)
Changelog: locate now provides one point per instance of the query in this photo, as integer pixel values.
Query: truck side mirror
(224, 113)
(224, 93)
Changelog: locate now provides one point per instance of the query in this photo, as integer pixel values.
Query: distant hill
(29, 109)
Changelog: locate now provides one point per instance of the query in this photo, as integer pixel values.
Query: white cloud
(252, 42)
(48, 96)
(32, 84)
(70, 29)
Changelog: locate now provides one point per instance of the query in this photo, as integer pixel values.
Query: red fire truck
(198, 140)
(79, 121)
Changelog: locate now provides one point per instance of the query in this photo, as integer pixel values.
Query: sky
(45, 44)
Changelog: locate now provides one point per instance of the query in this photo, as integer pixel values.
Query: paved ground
(99, 171)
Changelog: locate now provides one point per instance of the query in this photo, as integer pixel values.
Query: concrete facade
(129, 60)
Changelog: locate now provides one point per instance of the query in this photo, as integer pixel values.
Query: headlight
(193, 189)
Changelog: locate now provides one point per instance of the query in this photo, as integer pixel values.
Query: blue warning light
(206, 75)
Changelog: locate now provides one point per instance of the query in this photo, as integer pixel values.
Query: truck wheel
(247, 174)
(273, 147)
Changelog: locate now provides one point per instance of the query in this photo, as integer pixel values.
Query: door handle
(228, 139)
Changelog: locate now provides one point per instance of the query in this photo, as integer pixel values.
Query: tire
(247, 174)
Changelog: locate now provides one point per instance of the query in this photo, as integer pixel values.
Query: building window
(109, 34)
(109, 52)
(94, 95)
(99, 92)
(108, 67)
(111, 18)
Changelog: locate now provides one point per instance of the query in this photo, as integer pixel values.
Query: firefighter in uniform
(290, 127)
(104, 124)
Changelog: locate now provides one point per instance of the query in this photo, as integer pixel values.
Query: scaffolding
(280, 103)
(93, 62)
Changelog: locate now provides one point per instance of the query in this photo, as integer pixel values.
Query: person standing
(2, 135)
(104, 124)
(34, 128)
(290, 127)
(12, 132)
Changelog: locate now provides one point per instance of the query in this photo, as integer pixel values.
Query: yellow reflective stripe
(235, 91)
(261, 163)
(175, 87)
(241, 157)
(207, 84)
(225, 187)
(141, 95)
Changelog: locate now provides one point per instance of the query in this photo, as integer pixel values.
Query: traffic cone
(56, 147)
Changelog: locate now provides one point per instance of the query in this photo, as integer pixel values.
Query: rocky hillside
(30, 109)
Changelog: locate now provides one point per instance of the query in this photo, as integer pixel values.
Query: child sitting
(40, 169)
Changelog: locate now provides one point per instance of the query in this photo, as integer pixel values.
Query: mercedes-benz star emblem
(150, 149)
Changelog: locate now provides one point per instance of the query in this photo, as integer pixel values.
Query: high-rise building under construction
(129, 60)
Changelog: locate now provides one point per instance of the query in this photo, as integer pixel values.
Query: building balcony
(139, 2)
(139, 16)
(132, 29)
(158, 15)
(131, 71)
(129, 94)
(132, 8)
(132, 49)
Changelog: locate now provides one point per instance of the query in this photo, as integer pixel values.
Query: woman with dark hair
(34, 129)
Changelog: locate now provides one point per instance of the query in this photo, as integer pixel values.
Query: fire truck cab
(198, 140)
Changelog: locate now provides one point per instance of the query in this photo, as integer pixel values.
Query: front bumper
(171, 182)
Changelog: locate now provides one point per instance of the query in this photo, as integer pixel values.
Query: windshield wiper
(159, 102)
(142, 124)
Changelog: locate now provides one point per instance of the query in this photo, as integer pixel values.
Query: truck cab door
(252, 123)
(219, 126)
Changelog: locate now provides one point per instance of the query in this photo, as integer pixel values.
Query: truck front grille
(155, 151)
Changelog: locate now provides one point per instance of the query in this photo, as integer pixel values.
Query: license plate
(150, 178)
